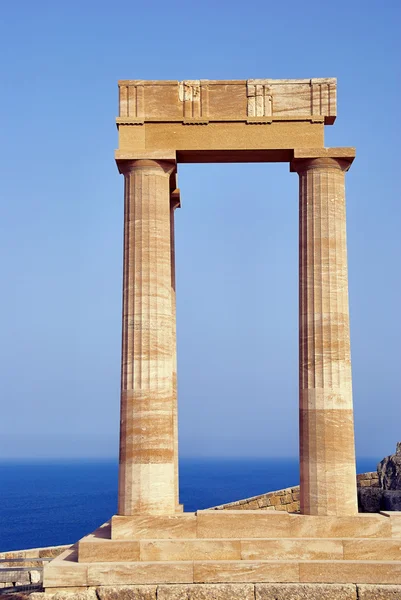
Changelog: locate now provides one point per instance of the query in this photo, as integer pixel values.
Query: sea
(45, 503)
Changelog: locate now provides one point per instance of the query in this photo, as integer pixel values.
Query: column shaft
(327, 451)
(147, 468)
(174, 203)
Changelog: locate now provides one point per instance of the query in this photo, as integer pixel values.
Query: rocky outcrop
(387, 496)
(389, 471)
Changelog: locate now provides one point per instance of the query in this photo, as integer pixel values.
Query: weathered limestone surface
(223, 121)
(379, 592)
(137, 592)
(231, 591)
(327, 451)
(304, 591)
(154, 527)
(222, 591)
(147, 447)
(203, 100)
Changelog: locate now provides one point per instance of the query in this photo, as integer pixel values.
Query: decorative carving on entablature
(260, 98)
(202, 101)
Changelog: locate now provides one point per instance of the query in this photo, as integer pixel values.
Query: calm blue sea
(44, 504)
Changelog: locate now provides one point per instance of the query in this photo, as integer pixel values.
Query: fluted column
(174, 203)
(147, 467)
(327, 451)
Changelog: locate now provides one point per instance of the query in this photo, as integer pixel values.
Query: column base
(218, 546)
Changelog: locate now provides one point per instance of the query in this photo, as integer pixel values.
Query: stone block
(154, 527)
(395, 522)
(67, 574)
(139, 573)
(304, 591)
(372, 549)
(131, 592)
(362, 525)
(287, 549)
(89, 594)
(51, 591)
(246, 571)
(173, 550)
(207, 591)
(36, 576)
(98, 550)
(350, 572)
(379, 592)
(14, 576)
(53, 551)
(240, 524)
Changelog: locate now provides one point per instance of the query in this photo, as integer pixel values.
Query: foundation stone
(299, 591)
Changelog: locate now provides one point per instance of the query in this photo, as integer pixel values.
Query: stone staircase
(234, 546)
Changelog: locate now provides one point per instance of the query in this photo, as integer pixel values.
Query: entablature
(253, 101)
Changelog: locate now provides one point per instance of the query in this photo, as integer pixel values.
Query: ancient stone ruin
(151, 541)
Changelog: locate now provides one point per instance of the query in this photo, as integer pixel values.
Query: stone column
(147, 447)
(174, 203)
(327, 451)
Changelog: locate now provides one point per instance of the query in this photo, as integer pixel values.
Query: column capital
(166, 167)
(305, 159)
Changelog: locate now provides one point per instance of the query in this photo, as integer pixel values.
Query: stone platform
(233, 547)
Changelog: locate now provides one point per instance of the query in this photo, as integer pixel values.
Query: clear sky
(61, 211)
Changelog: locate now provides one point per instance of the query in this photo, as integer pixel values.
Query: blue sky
(61, 202)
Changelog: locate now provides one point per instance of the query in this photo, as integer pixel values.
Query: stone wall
(288, 498)
(232, 591)
(33, 576)
(370, 479)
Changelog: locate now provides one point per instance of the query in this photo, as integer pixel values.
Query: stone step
(96, 549)
(212, 524)
(64, 572)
